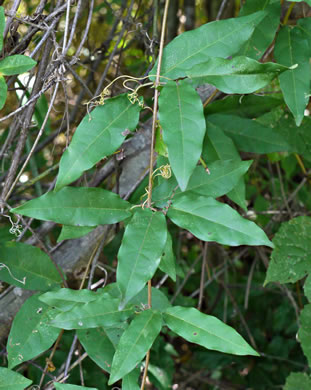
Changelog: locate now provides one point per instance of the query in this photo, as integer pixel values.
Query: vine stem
(150, 184)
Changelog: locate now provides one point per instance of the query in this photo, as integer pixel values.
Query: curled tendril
(15, 226)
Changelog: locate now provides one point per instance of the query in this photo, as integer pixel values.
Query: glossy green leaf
(135, 342)
(182, 120)
(27, 267)
(83, 206)
(98, 135)
(298, 380)
(3, 91)
(249, 135)
(98, 346)
(221, 38)
(61, 386)
(102, 312)
(159, 300)
(11, 380)
(237, 75)
(140, 252)
(206, 330)
(248, 106)
(264, 32)
(304, 334)
(65, 299)
(210, 220)
(2, 26)
(223, 176)
(290, 258)
(291, 49)
(217, 146)
(70, 232)
(167, 263)
(16, 64)
(130, 381)
(30, 333)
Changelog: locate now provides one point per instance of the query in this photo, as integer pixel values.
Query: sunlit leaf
(30, 333)
(206, 330)
(27, 267)
(134, 343)
(81, 206)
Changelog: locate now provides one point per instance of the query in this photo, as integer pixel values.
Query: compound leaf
(210, 220)
(30, 333)
(136, 340)
(98, 135)
(221, 38)
(140, 252)
(82, 206)
(183, 123)
(27, 267)
(11, 380)
(206, 330)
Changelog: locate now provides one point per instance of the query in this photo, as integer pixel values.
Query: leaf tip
(293, 67)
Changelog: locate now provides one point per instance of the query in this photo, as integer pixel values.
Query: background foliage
(253, 142)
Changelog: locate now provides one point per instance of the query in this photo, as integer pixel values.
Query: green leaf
(221, 38)
(98, 346)
(2, 26)
(3, 91)
(299, 1)
(30, 333)
(237, 75)
(248, 106)
(167, 263)
(290, 258)
(291, 49)
(134, 343)
(304, 24)
(210, 220)
(98, 135)
(223, 176)
(249, 135)
(206, 330)
(304, 334)
(298, 380)
(83, 206)
(264, 32)
(65, 299)
(217, 146)
(69, 232)
(130, 381)
(140, 252)
(182, 120)
(27, 267)
(16, 64)
(159, 300)
(11, 380)
(61, 386)
(102, 312)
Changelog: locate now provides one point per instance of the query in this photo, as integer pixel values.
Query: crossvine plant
(198, 162)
